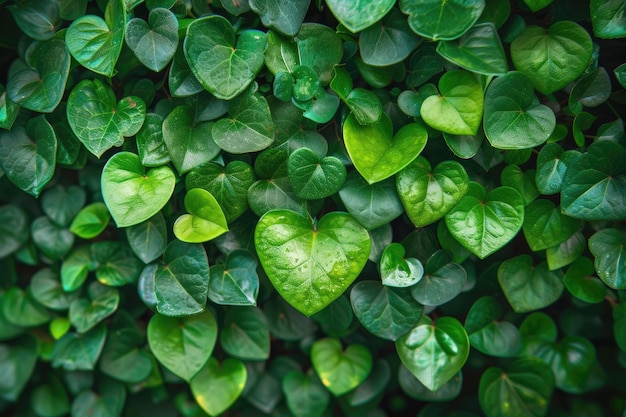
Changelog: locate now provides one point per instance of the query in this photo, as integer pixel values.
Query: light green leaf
(398, 271)
(546, 226)
(205, 220)
(218, 385)
(91, 221)
(340, 370)
(357, 15)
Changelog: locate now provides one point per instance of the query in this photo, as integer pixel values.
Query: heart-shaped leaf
(21, 309)
(53, 241)
(100, 123)
(545, 226)
(398, 271)
(442, 20)
(47, 290)
(246, 334)
(117, 264)
(552, 162)
(312, 177)
(181, 282)
(378, 154)
(443, 280)
(567, 252)
(96, 43)
(304, 394)
(41, 85)
(319, 48)
(218, 385)
(8, 110)
(223, 63)
(285, 17)
(529, 287)
(426, 194)
(552, 58)
(266, 195)
(526, 386)
(340, 370)
(75, 268)
(183, 345)
(38, 20)
(86, 313)
(608, 19)
(131, 193)
(514, 118)
(459, 108)
(75, 351)
(148, 240)
(28, 155)
(357, 15)
(311, 265)
(153, 43)
(235, 282)
(249, 127)
(608, 247)
(107, 399)
(484, 222)
(434, 352)
(595, 182)
(581, 282)
(415, 389)
(17, 362)
(479, 50)
(205, 220)
(488, 333)
(91, 221)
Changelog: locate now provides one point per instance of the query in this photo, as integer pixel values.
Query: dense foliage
(295, 208)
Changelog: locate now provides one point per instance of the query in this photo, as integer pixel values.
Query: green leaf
(97, 120)
(181, 281)
(378, 154)
(608, 18)
(459, 108)
(524, 389)
(312, 177)
(8, 110)
(321, 108)
(108, 399)
(205, 220)
(46, 289)
(311, 265)
(357, 15)
(591, 90)
(245, 334)
(28, 155)
(319, 48)
(117, 264)
(304, 394)
(153, 43)
(340, 370)
(96, 43)
(91, 221)
(609, 250)
(148, 239)
(50, 399)
(434, 352)
(552, 58)
(479, 50)
(522, 181)
(485, 222)
(61, 204)
(21, 309)
(423, 64)
(552, 162)
(387, 41)
(365, 106)
(529, 287)
(235, 282)
(86, 313)
(76, 267)
(428, 195)
(228, 184)
(594, 183)
(181, 80)
(619, 321)
(17, 363)
(581, 282)
(545, 226)
(38, 19)
(442, 20)
(183, 344)
(224, 63)
(132, 193)
(566, 252)
(285, 322)
(75, 351)
(386, 312)
(443, 280)
(536, 5)
(14, 229)
(218, 385)
(336, 318)
(488, 333)
(285, 17)
(41, 84)
(514, 118)
(53, 241)
(413, 388)
(266, 195)
(249, 127)
(398, 271)
(188, 142)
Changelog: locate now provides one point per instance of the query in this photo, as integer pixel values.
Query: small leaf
(234, 282)
(398, 271)
(148, 240)
(21, 309)
(285, 17)
(17, 362)
(38, 19)
(487, 333)
(218, 385)
(581, 282)
(608, 247)
(552, 163)
(61, 204)
(413, 388)
(91, 221)
(545, 226)
(46, 289)
(205, 220)
(86, 313)
(245, 334)
(53, 241)
(608, 19)
(442, 281)
(356, 15)
(304, 394)
(312, 177)
(117, 264)
(14, 229)
(340, 370)
(75, 351)
(442, 20)
(387, 41)
(155, 42)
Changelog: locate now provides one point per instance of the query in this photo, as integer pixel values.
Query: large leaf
(484, 222)
(218, 385)
(429, 194)
(319, 48)
(99, 122)
(41, 85)
(442, 19)
(595, 182)
(223, 63)
(183, 345)
(608, 246)
(153, 43)
(552, 58)
(131, 193)
(340, 370)
(376, 152)
(28, 155)
(309, 264)
(434, 352)
(608, 18)
(514, 118)
(284, 16)
(96, 43)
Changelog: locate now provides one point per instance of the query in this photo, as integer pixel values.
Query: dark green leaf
(235, 282)
(21, 309)
(46, 289)
(17, 363)
(39, 19)
(442, 20)
(305, 394)
(14, 229)
(52, 241)
(154, 42)
(86, 313)
(443, 280)
(412, 387)
(581, 282)
(285, 17)
(312, 177)
(340, 370)
(388, 41)
(245, 334)
(117, 264)
(609, 249)
(546, 226)
(488, 333)
(148, 239)
(608, 18)
(79, 351)
(62, 204)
